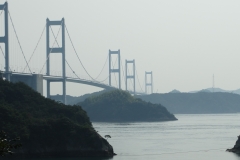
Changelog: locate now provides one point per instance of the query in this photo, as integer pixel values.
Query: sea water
(192, 137)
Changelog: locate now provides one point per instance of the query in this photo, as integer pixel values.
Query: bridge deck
(77, 80)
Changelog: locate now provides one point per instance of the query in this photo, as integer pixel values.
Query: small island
(47, 128)
(121, 106)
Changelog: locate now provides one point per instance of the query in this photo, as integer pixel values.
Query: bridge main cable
(123, 73)
(36, 46)
(138, 80)
(19, 42)
(77, 55)
(51, 48)
(108, 75)
(72, 69)
(102, 68)
(65, 58)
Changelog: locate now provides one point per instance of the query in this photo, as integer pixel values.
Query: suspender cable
(77, 54)
(102, 67)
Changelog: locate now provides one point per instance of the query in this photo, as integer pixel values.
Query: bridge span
(77, 80)
(87, 82)
(35, 79)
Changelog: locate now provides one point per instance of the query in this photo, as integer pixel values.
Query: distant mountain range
(237, 91)
(71, 100)
(196, 103)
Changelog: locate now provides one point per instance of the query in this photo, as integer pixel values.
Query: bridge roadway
(87, 82)
(77, 80)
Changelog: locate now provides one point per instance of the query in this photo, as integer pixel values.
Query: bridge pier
(148, 83)
(56, 50)
(118, 70)
(35, 81)
(4, 40)
(130, 76)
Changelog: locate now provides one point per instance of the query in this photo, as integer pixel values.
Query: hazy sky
(184, 42)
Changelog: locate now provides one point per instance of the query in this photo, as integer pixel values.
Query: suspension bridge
(37, 69)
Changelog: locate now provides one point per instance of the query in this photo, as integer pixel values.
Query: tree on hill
(175, 91)
(6, 145)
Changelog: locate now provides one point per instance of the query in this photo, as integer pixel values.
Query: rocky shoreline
(105, 151)
(236, 148)
(68, 154)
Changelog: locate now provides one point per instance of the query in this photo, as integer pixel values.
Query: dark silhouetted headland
(47, 128)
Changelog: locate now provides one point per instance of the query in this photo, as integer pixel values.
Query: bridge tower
(56, 51)
(130, 76)
(114, 70)
(5, 39)
(148, 83)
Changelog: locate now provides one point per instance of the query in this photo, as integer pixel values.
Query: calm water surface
(192, 137)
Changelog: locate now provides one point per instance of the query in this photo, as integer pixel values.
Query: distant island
(47, 128)
(213, 90)
(201, 102)
(196, 103)
(120, 106)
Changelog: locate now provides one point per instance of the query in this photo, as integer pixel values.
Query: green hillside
(71, 100)
(47, 128)
(120, 106)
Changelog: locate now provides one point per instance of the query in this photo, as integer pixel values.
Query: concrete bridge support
(35, 81)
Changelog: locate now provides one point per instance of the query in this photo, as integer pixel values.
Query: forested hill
(194, 103)
(120, 106)
(47, 128)
(71, 100)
